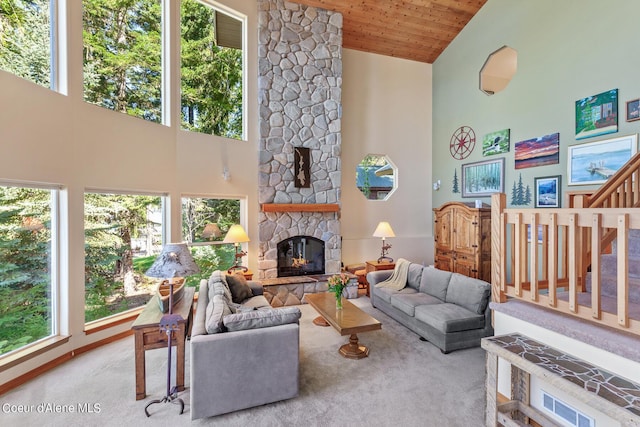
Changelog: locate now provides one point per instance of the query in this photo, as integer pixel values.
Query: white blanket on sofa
(398, 279)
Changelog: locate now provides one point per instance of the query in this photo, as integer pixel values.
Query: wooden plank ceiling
(418, 30)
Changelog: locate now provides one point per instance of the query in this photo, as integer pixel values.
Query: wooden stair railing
(546, 272)
(622, 190)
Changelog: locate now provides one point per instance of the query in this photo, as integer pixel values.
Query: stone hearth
(299, 94)
(283, 291)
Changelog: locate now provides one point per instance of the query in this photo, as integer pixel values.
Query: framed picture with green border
(597, 114)
(496, 143)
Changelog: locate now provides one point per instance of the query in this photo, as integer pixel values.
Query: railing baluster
(533, 267)
(623, 270)
(503, 251)
(553, 261)
(519, 254)
(636, 187)
(545, 253)
(596, 273)
(573, 264)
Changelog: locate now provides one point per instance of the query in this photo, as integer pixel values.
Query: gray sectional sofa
(447, 309)
(243, 352)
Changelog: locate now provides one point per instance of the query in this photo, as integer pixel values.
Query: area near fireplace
(299, 94)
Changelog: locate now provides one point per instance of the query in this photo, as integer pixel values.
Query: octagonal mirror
(376, 177)
(498, 70)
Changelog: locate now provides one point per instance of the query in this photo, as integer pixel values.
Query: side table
(148, 336)
(377, 266)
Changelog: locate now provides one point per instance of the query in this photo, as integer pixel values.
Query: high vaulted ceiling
(412, 29)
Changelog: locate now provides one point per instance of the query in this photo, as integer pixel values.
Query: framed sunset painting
(544, 150)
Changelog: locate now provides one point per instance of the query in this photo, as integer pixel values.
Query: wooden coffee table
(348, 321)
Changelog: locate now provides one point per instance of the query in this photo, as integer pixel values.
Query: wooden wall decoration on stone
(302, 167)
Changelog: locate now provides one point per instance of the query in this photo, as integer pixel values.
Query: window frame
(244, 20)
(123, 316)
(54, 339)
(242, 214)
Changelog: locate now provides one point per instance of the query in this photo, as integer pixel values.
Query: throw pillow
(216, 310)
(261, 318)
(239, 288)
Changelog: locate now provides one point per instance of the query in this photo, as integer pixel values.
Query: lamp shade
(383, 230)
(236, 234)
(211, 231)
(175, 260)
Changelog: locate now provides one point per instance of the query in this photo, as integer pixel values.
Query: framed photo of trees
(484, 178)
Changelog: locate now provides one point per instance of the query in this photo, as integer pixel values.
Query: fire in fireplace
(300, 255)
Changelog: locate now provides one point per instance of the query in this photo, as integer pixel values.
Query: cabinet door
(443, 230)
(466, 265)
(465, 232)
(444, 261)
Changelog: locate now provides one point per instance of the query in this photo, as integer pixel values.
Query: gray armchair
(240, 369)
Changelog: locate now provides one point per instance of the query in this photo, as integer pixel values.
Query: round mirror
(376, 177)
(498, 70)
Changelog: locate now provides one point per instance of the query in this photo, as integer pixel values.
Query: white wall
(52, 138)
(387, 110)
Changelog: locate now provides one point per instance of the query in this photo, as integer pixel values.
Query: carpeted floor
(403, 382)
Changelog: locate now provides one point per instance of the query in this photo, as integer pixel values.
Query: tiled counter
(604, 391)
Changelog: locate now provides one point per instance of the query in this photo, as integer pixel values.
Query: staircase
(609, 280)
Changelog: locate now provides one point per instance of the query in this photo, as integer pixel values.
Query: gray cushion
(218, 284)
(472, 294)
(407, 303)
(216, 310)
(257, 301)
(413, 275)
(261, 318)
(449, 317)
(385, 294)
(240, 290)
(435, 282)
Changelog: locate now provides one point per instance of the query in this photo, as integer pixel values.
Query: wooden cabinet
(462, 235)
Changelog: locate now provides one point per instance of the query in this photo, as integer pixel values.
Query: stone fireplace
(299, 95)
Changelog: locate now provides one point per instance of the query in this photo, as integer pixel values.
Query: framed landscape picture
(544, 150)
(597, 114)
(495, 143)
(595, 162)
(483, 178)
(633, 110)
(547, 191)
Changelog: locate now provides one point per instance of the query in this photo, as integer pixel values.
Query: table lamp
(211, 231)
(175, 261)
(237, 235)
(384, 230)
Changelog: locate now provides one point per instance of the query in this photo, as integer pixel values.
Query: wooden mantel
(300, 207)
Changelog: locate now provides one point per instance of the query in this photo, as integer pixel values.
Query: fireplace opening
(300, 255)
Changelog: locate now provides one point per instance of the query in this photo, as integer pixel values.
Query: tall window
(123, 236)
(205, 222)
(25, 39)
(123, 56)
(27, 255)
(211, 68)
